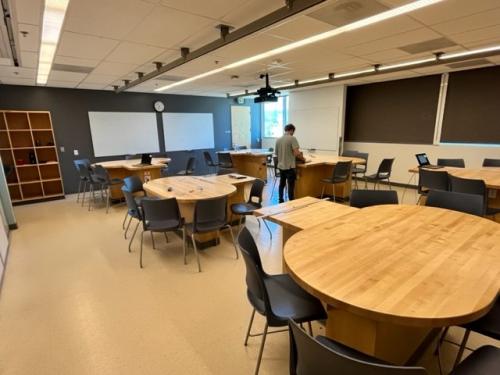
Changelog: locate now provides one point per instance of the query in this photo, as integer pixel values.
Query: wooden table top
(227, 179)
(411, 265)
(286, 206)
(490, 175)
(188, 188)
(250, 151)
(132, 164)
(314, 160)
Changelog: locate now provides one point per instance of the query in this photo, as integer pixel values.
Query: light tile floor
(74, 301)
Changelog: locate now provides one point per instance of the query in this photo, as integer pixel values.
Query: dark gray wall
(69, 110)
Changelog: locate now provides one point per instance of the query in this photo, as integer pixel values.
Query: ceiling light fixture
(314, 80)
(313, 39)
(53, 18)
(469, 53)
(406, 63)
(355, 73)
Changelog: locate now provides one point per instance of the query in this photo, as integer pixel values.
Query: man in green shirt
(287, 151)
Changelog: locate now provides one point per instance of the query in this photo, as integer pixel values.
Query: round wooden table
(390, 274)
(490, 175)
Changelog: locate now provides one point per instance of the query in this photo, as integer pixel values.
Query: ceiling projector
(267, 93)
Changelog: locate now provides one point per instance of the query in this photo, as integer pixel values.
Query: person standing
(287, 151)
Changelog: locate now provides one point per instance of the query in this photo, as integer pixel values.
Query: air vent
(428, 45)
(170, 78)
(72, 68)
(344, 12)
(466, 64)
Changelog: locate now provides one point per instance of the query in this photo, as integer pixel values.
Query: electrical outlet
(75, 152)
(62, 148)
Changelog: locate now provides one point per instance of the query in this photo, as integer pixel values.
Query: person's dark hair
(289, 128)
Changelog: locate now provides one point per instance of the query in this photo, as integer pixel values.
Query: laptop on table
(145, 160)
(423, 162)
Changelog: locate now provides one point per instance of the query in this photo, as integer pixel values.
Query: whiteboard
(188, 131)
(122, 133)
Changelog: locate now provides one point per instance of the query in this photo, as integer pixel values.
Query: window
(275, 116)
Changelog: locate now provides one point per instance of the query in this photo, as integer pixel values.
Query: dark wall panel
(472, 111)
(69, 110)
(401, 111)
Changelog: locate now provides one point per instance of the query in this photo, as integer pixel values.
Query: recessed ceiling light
(313, 39)
(53, 18)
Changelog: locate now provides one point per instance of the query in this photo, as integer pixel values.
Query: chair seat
(162, 225)
(205, 227)
(349, 352)
(490, 211)
(337, 180)
(488, 325)
(290, 301)
(356, 170)
(375, 177)
(184, 173)
(244, 208)
(483, 361)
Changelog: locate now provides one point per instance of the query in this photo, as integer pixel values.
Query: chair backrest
(225, 159)
(350, 153)
(432, 180)
(84, 171)
(256, 191)
(190, 165)
(459, 163)
(208, 159)
(101, 173)
(311, 357)
(85, 162)
(385, 168)
(469, 203)
(132, 206)
(210, 212)
(491, 162)
(133, 183)
(470, 186)
(342, 170)
(367, 198)
(364, 156)
(160, 210)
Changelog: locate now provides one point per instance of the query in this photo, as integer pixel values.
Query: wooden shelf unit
(29, 156)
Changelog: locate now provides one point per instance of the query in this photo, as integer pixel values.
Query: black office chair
(83, 178)
(341, 174)
(269, 161)
(189, 167)
(360, 169)
(277, 297)
(225, 160)
(134, 185)
(162, 216)
(276, 174)
(483, 361)
(209, 162)
(102, 175)
(383, 173)
(367, 198)
(491, 162)
(134, 211)
(431, 179)
(470, 186)
(458, 163)
(468, 203)
(323, 356)
(92, 182)
(254, 203)
(210, 215)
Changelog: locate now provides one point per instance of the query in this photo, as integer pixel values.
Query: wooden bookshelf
(29, 156)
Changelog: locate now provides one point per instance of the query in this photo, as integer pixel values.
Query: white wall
(322, 130)
(405, 155)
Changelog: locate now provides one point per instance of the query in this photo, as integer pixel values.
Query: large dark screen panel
(402, 111)
(472, 111)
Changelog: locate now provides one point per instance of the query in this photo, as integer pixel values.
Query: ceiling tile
(30, 42)
(101, 79)
(166, 27)
(250, 46)
(85, 46)
(106, 18)
(65, 60)
(133, 53)
(17, 81)
(114, 69)
(251, 10)
(64, 84)
(5, 61)
(214, 8)
(299, 28)
(474, 22)
(488, 33)
(56, 75)
(15, 72)
(91, 86)
(29, 11)
(29, 59)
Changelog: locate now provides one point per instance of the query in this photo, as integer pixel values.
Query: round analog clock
(159, 106)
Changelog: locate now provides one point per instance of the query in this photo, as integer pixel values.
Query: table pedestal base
(309, 182)
(390, 342)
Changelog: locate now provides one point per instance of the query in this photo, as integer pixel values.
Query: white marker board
(122, 133)
(188, 131)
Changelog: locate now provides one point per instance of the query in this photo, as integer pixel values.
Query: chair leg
(125, 219)
(322, 191)
(166, 237)
(234, 241)
(441, 339)
(333, 192)
(258, 222)
(249, 327)
(310, 328)
(389, 181)
(267, 226)
(184, 244)
(239, 224)
(108, 193)
(462, 348)
(140, 256)
(126, 229)
(259, 359)
(84, 190)
(132, 238)
(79, 188)
(196, 252)
(153, 240)
(91, 194)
